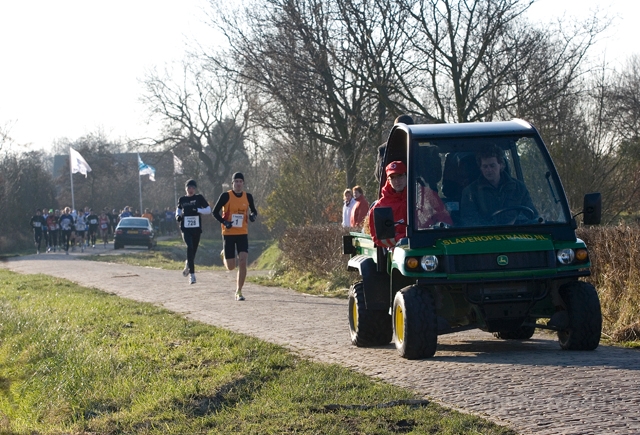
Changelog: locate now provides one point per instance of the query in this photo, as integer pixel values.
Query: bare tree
(307, 71)
(472, 60)
(206, 113)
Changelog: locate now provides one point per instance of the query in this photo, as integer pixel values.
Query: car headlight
(429, 263)
(565, 256)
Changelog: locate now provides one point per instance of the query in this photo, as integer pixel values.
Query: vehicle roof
(134, 221)
(515, 126)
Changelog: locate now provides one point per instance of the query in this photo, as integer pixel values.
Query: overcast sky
(72, 67)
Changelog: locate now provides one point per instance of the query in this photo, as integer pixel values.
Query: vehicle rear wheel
(415, 325)
(585, 317)
(117, 246)
(367, 327)
(524, 332)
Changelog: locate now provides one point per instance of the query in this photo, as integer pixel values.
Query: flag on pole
(78, 163)
(177, 165)
(146, 169)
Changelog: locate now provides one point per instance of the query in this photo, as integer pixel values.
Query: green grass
(171, 254)
(77, 360)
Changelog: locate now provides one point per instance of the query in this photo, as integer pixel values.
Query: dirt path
(532, 386)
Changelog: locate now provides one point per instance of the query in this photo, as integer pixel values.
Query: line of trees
(316, 84)
(302, 92)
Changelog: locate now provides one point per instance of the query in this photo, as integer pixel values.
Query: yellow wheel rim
(399, 323)
(354, 315)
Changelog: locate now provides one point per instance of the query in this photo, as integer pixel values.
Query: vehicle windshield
(485, 182)
(134, 222)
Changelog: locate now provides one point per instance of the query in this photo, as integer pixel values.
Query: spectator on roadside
(360, 208)
(347, 206)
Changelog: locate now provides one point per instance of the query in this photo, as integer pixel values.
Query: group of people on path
(233, 209)
(62, 229)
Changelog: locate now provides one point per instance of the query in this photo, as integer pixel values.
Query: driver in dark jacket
(495, 198)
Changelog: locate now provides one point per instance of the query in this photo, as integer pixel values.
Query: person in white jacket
(347, 205)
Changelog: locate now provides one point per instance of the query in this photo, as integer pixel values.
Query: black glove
(252, 217)
(227, 224)
(179, 218)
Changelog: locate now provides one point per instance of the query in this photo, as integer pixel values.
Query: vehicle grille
(489, 262)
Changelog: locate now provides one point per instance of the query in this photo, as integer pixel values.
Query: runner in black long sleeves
(66, 223)
(37, 223)
(92, 222)
(190, 207)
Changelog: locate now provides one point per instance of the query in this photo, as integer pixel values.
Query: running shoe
(185, 271)
(222, 255)
(192, 278)
(239, 297)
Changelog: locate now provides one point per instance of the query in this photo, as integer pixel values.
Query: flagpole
(140, 187)
(73, 202)
(175, 189)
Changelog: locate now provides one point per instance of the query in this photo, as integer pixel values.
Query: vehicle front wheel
(117, 246)
(585, 317)
(367, 327)
(415, 325)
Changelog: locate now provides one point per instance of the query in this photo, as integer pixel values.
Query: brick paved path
(531, 386)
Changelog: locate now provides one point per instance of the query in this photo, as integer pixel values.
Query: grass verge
(76, 360)
(171, 254)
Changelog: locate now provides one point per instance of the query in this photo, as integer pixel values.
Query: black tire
(367, 327)
(117, 246)
(522, 333)
(585, 317)
(415, 325)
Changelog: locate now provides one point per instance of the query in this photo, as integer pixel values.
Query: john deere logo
(503, 260)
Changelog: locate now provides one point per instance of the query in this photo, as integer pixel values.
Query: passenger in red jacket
(360, 208)
(394, 195)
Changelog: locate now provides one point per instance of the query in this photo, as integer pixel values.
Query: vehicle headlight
(429, 263)
(565, 256)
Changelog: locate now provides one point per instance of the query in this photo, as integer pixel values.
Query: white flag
(78, 163)
(146, 169)
(177, 165)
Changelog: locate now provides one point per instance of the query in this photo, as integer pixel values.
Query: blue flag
(146, 169)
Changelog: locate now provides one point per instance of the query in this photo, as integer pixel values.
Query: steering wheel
(529, 214)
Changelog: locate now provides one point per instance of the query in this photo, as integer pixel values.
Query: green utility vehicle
(506, 266)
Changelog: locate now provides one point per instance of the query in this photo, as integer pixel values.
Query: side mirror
(383, 223)
(592, 209)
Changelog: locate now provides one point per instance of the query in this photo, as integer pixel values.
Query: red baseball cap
(396, 167)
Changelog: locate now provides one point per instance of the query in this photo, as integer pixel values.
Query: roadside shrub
(316, 249)
(615, 272)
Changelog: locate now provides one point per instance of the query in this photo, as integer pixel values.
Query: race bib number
(93, 221)
(103, 226)
(191, 221)
(37, 224)
(236, 220)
